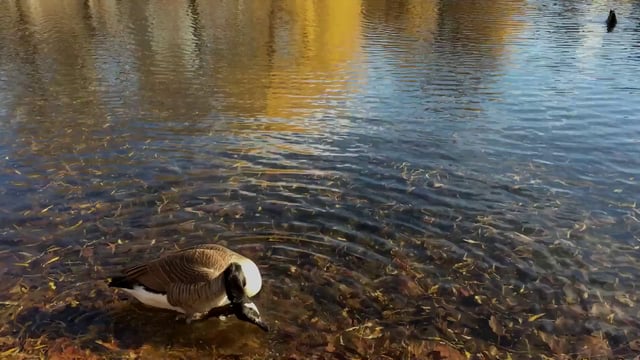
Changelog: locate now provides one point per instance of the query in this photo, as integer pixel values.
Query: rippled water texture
(415, 179)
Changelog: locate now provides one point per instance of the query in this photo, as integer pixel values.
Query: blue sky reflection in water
(403, 171)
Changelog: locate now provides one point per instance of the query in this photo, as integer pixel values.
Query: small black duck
(612, 20)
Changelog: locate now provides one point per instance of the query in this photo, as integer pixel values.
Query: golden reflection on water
(498, 26)
(417, 18)
(319, 60)
(191, 59)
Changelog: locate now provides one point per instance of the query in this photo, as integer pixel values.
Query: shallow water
(414, 178)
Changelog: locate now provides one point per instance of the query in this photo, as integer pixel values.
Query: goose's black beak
(242, 307)
(248, 311)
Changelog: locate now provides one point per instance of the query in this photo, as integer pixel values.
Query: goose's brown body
(189, 281)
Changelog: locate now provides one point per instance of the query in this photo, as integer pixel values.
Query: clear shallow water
(411, 176)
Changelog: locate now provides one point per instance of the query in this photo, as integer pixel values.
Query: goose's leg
(220, 312)
(189, 318)
(195, 317)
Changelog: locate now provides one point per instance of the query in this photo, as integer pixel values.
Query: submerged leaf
(11, 351)
(109, 345)
(448, 352)
(594, 347)
(51, 261)
(495, 325)
(535, 317)
(434, 290)
(557, 345)
(624, 298)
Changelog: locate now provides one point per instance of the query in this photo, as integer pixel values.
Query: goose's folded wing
(190, 266)
(196, 295)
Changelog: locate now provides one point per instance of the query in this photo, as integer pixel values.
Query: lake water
(414, 178)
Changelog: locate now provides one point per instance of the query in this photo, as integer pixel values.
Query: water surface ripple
(413, 178)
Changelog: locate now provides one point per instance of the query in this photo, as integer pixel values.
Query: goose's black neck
(243, 308)
(234, 283)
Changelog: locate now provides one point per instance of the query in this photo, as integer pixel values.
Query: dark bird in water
(611, 20)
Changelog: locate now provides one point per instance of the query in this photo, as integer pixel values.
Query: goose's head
(243, 308)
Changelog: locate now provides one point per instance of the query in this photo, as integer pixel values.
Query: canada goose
(195, 281)
(612, 20)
